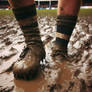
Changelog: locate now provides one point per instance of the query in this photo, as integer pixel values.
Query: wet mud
(74, 76)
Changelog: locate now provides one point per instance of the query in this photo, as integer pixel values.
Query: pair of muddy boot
(28, 65)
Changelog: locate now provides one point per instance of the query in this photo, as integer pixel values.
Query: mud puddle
(29, 86)
(43, 84)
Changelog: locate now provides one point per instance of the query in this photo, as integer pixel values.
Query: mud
(75, 76)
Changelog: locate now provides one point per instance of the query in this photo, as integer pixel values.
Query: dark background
(5, 4)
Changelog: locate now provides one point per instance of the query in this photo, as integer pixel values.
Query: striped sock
(27, 19)
(65, 26)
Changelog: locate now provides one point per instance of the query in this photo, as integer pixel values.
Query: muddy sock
(65, 26)
(27, 19)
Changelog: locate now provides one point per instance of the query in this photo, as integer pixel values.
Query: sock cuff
(62, 36)
(25, 12)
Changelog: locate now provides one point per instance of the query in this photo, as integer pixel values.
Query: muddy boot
(27, 66)
(59, 52)
(65, 26)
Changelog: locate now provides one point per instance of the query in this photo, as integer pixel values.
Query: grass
(47, 12)
(6, 13)
(83, 12)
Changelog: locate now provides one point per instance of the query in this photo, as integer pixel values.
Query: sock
(65, 26)
(27, 19)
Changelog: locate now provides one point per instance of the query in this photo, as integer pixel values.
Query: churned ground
(74, 76)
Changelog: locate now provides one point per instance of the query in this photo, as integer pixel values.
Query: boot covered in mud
(64, 29)
(59, 52)
(27, 66)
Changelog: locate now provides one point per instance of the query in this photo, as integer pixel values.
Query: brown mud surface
(75, 76)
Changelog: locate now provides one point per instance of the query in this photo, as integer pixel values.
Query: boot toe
(23, 71)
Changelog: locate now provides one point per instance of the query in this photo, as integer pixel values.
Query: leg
(66, 19)
(28, 64)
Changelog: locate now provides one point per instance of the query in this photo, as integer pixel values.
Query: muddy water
(29, 86)
(65, 76)
(9, 83)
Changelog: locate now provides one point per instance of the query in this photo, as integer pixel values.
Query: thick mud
(74, 76)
